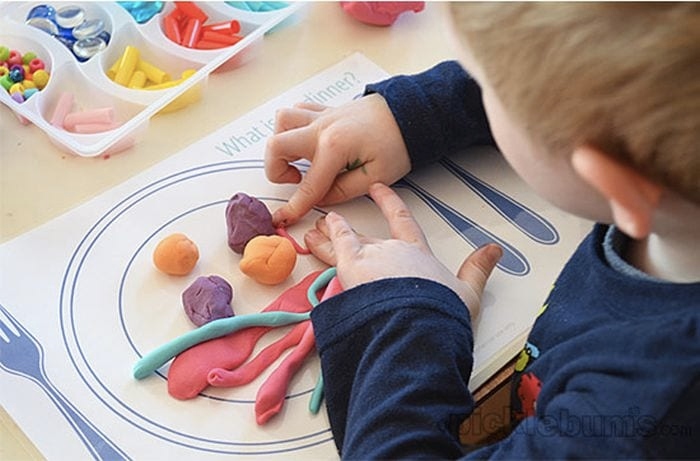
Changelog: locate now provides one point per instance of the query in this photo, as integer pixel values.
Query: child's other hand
(361, 259)
(349, 147)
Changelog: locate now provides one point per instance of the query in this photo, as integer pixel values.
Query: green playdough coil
(158, 357)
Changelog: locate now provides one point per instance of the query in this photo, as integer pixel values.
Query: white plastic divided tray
(89, 82)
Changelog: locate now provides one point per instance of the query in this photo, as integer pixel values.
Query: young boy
(597, 107)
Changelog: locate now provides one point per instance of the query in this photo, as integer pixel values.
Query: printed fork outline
(22, 355)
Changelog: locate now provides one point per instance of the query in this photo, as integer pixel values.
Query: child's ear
(632, 197)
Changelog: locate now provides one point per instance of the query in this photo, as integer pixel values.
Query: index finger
(314, 185)
(402, 225)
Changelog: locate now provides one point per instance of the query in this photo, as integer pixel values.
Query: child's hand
(350, 147)
(362, 259)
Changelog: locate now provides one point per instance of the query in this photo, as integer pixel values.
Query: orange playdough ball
(176, 255)
(268, 259)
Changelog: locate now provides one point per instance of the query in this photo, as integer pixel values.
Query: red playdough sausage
(271, 394)
(188, 373)
(221, 377)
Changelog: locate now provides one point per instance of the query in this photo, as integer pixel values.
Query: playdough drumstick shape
(188, 372)
(271, 394)
(221, 377)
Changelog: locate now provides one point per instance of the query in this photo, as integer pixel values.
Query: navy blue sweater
(611, 368)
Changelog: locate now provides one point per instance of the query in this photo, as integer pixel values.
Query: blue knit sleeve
(438, 111)
(396, 357)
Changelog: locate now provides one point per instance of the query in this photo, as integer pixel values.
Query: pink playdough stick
(282, 232)
(220, 377)
(103, 115)
(63, 106)
(90, 128)
(188, 372)
(271, 394)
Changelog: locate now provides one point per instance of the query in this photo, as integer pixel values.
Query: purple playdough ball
(207, 299)
(246, 217)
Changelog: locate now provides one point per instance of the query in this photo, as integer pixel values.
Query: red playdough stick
(188, 372)
(271, 395)
(221, 377)
(282, 232)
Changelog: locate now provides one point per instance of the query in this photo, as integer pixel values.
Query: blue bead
(89, 28)
(16, 75)
(104, 35)
(42, 11)
(86, 48)
(44, 24)
(67, 41)
(70, 16)
(142, 12)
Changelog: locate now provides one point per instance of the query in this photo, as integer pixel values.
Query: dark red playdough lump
(246, 217)
(207, 299)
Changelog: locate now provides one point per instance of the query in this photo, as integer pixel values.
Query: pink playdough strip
(103, 115)
(61, 109)
(282, 232)
(188, 372)
(221, 377)
(271, 395)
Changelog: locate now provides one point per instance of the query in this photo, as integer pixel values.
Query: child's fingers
(348, 185)
(402, 225)
(285, 148)
(476, 269)
(311, 106)
(289, 118)
(320, 246)
(346, 243)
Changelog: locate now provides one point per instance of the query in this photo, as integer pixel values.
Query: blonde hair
(624, 77)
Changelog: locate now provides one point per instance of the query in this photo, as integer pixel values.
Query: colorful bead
(226, 27)
(127, 65)
(186, 26)
(142, 12)
(28, 57)
(16, 73)
(61, 109)
(103, 115)
(70, 16)
(6, 82)
(29, 92)
(4, 53)
(153, 73)
(15, 58)
(89, 28)
(70, 26)
(41, 78)
(191, 10)
(43, 24)
(138, 80)
(42, 11)
(36, 64)
(88, 47)
(16, 88)
(190, 36)
(258, 7)
(17, 96)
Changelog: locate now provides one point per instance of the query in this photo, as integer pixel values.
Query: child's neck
(672, 252)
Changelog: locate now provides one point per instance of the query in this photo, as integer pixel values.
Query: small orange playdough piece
(176, 255)
(268, 259)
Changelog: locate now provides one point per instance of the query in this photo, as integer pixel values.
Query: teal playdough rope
(321, 281)
(158, 357)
